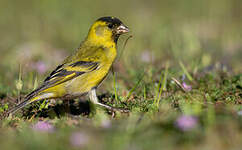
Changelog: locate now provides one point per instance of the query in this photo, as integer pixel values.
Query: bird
(82, 72)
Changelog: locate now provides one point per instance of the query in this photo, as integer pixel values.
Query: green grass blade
(163, 85)
(185, 71)
(136, 85)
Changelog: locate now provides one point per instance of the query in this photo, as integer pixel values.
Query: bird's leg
(94, 99)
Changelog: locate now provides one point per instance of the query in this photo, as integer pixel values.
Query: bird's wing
(65, 72)
(70, 70)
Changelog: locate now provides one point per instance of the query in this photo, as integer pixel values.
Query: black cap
(109, 19)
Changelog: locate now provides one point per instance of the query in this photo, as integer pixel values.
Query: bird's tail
(15, 109)
(18, 107)
(32, 97)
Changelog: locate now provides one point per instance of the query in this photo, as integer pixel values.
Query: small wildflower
(78, 139)
(43, 126)
(106, 123)
(186, 86)
(186, 123)
(183, 78)
(146, 56)
(239, 113)
(40, 67)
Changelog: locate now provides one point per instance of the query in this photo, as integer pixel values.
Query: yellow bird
(85, 69)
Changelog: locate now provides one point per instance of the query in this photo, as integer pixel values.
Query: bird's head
(106, 29)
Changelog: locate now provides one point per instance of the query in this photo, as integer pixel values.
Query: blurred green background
(205, 35)
(202, 32)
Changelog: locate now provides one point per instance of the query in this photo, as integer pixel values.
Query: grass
(179, 75)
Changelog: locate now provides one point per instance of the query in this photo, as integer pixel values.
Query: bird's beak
(122, 29)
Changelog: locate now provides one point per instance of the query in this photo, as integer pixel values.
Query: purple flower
(40, 67)
(78, 139)
(43, 126)
(183, 77)
(186, 86)
(146, 56)
(186, 123)
(239, 113)
(106, 123)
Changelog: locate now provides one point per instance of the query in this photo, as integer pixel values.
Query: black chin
(115, 38)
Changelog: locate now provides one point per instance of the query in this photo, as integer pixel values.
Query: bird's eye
(110, 26)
